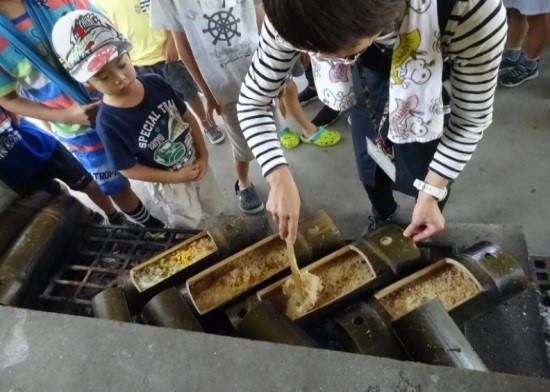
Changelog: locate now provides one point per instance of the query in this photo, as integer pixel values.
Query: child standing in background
(147, 131)
(27, 90)
(528, 31)
(216, 41)
(154, 51)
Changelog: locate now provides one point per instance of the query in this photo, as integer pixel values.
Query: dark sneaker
(97, 218)
(307, 95)
(326, 116)
(214, 134)
(120, 219)
(249, 201)
(507, 64)
(518, 75)
(376, 221)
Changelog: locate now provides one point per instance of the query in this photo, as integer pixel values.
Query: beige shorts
(184, 205)
(241, 151)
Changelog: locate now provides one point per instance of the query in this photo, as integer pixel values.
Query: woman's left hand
(427, 218)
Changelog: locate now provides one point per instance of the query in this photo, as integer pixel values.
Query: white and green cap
(86, 41)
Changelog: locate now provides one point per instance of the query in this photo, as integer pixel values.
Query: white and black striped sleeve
(475, 37)
(266, 76)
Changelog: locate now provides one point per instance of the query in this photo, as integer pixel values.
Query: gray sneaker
(507, 64)
(214, 134)
(518, 75)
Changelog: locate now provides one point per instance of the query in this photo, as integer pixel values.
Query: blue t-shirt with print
(151, 133)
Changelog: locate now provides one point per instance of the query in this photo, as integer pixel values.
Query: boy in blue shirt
(148, 133)
(32, 159)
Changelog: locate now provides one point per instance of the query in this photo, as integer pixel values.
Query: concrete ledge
(53, 352)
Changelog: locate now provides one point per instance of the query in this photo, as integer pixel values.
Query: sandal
(322, 138)
(288, 139)
(249, 201)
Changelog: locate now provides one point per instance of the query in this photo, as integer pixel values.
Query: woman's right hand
(284, 202)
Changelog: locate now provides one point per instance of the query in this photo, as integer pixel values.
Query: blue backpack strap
(59, 76)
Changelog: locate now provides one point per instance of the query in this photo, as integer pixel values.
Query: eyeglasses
(332, 60)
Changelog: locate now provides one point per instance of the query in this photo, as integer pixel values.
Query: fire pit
(102, 255)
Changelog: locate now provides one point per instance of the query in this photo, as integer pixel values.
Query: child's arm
(170, 50)
(260, 15)
(201, 152)
(75, 114)
(186, 55)
(145, 173)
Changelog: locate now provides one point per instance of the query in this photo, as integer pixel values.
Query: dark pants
(309, 75)
(62, 165)
(369, 120)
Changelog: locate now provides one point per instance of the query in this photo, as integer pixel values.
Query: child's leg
(64, 166)
(539, 29)
(311, 133)
(209, 195)
(241, 152)
(294, 108)
(179, 203)
(249, 201)
(517, 29)
(131, 205)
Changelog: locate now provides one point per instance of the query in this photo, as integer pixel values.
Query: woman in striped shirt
(429, 152)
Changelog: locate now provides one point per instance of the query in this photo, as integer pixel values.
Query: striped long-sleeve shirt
(472, 42)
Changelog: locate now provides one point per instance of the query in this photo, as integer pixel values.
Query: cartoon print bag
(334, 84)
(415, 104)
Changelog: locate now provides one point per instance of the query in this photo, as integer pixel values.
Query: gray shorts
(176, 75)
(241, 151)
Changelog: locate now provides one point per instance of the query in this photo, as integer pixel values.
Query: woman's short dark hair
(329, 26)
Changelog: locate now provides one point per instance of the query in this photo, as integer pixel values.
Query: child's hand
(211, 106)
(189, 173)
(81, 114)
(202, 163)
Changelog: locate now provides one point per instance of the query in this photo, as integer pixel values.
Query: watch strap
(438, 193)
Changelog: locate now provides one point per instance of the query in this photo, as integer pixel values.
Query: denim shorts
(176, 75)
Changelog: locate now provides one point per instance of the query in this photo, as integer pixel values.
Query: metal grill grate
(100, 256)
(541, 266)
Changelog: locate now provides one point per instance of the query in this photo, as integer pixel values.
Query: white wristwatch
(438, 193)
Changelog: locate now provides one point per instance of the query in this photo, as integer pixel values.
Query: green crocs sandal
(288, 139)
(322, 138)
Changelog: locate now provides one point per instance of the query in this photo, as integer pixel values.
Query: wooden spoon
(294, 268)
